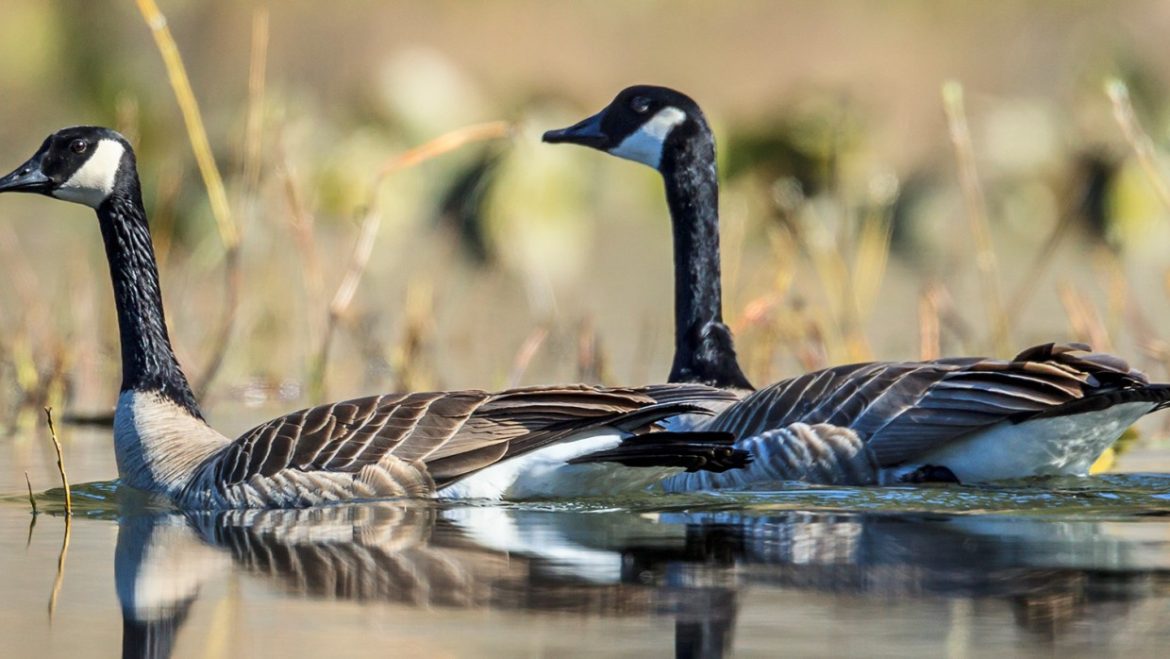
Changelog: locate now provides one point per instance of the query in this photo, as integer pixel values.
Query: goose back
(415, 444)
(906, 409)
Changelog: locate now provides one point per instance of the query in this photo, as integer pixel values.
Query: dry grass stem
(196, 133)
(302, 223)
(212, 181)
(257, 88)
(1039, 266)
(127, 117)
(445, 143)
(371, 219)
(526, 353)
(221, 337)
(163, 222)
(928, 325)
(60, 461)
(1139, 140)
(870, 262)
(407, 357)
(359, 258)
(1086, 323)
(591, 362)
(985, 259)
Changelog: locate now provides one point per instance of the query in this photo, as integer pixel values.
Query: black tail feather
(693, 451)
(1159, 394)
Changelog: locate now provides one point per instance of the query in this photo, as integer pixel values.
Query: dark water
(1075, 567)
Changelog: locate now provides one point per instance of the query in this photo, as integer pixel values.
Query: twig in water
(1139, 140)
(60, 461)
(60, 579)
(31, 501)
(32, 522)
(212, 181)
(985, 259)
(68, 515)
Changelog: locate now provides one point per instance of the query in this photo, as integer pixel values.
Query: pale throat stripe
(645, 144)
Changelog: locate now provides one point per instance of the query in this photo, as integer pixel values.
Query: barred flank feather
(906, 409)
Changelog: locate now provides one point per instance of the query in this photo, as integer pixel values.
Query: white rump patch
(645, 144)
(94, 181)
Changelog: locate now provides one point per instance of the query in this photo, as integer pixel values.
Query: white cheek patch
(645, 144)
(94, 181)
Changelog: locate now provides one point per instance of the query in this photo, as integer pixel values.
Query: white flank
(1057, 446)
(159, 445)
(545, 474)
(94, 181)
(645, 144)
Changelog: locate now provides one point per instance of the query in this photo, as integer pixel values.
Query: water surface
(1071, 566)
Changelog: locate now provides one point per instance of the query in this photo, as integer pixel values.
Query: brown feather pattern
(904, 409)
(411, 444)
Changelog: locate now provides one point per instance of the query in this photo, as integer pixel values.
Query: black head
(639, 124)
(83, 164)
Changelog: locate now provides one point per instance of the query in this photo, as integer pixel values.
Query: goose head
(642, 123)
(83, 164)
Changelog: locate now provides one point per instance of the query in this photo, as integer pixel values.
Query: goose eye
(640, 104)
(78, 146)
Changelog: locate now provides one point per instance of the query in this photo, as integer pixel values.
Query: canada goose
(519, 443)
(1053, 409)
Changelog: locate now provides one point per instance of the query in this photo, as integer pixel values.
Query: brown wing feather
(903, 409)
(346, 436)
(451, 434)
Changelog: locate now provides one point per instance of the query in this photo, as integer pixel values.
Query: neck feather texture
(704, 351)
(148, 361)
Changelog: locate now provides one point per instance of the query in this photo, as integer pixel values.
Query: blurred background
(847, 231)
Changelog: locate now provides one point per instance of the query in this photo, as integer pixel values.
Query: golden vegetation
(354, 258)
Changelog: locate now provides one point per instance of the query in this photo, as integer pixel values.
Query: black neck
(704, 351)
(148, 361)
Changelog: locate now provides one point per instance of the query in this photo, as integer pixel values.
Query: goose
(549, 441)
(1051, 410)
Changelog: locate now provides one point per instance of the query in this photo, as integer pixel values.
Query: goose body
(1052, 410)
(417, 444)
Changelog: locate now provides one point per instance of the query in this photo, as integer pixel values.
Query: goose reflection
(689, 567)
(418, 556)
